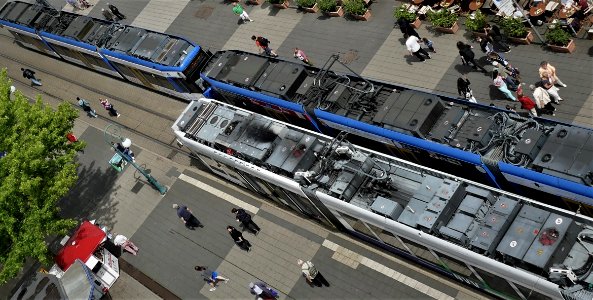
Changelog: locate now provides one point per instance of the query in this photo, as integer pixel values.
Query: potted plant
(357, 9)
(330, 8)
(254, 2)
(559, 40)
(282, 4)
(402, 13)
(475, 23)
(444, 21)
(516, 31)
(308, 5)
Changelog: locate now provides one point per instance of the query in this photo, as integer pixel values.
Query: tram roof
(529, 235)
(142, 44)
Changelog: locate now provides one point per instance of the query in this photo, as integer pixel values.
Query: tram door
(221, 170)
(283, 197)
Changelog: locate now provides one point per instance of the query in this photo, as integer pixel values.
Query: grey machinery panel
(387, 208)
(549, 239)
(522, 232)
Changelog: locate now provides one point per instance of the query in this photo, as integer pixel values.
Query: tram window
(390, 239)
(157, 80)
(531, 294)
(456, 266)
(124, 69)
(421, 251)
(496, 283)
(31, 40)
(359, 226)
(96, 61)
(63, 51)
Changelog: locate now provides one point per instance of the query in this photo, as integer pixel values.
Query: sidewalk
(168, 251)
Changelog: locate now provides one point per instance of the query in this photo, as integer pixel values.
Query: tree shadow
(90, 194)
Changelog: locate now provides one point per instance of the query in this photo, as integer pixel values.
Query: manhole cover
(349, 56)
(204, 12)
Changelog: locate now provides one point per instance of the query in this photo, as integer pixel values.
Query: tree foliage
(38, 169)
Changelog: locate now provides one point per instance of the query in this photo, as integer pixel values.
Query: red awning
(81, 245)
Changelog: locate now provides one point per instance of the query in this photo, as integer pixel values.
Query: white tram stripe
(352, 259)
(239, 203)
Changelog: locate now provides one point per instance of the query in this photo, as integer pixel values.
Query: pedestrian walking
(125, 244)
(413, 46)
(551, 89)
(107, 14)
(211, 277)
(512, 84)
(429, 44)
(84, 4)
(496, 38)
(311, 274)
(187, 216)
(485, 45)
(73, 3)
(263, 44)
(30, 74)
(542, 101)
(86, 106)
(240, 11)
(547, 71)
(109, 107)
(115, 11)
(242, 216)
(501, 85)
(527, 103)
(407, 29)
(464, 90)
(238, 238)
(262, 291)
(300, 54)
(467, 56)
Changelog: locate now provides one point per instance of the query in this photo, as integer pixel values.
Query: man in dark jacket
(186, 215)
(30, 74)
(468, 55)
(115, 11)
(242, 216)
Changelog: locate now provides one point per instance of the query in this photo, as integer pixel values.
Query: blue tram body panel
(547, 183)
(156, 60)
(505, 150)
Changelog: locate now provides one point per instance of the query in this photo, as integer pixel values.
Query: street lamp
(113, 135)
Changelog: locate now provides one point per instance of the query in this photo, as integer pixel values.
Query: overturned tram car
(504, 244)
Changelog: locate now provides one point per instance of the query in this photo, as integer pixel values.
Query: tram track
(81, 85)
(169, 145)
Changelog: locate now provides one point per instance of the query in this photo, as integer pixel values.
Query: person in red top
(526, 103)
(264, 44)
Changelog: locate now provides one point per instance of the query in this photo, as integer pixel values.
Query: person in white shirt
(311, 273)
(413, 46)
(122, 241)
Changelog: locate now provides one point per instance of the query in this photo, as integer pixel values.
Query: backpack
(263, 41)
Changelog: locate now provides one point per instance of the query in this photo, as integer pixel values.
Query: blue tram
(158, 61)
(509, 246)
(529, 156)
